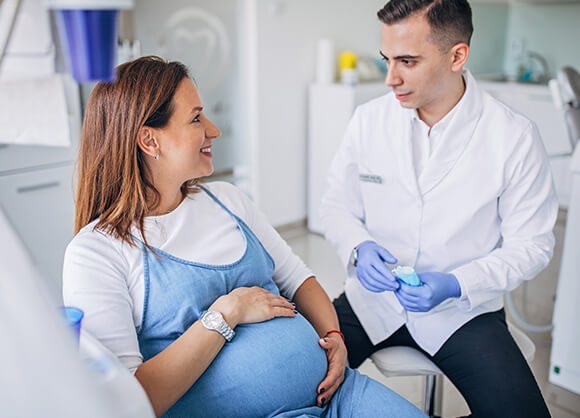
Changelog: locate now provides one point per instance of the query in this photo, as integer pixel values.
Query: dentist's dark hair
(114, 182)
(450, 20)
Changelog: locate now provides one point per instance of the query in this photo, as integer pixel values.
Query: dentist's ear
(147, 143)
(459, 54)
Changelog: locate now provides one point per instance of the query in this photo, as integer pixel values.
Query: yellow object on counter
(347, 60)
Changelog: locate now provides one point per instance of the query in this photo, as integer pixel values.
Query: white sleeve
(527, 209)
(289, 270)
(342, 212)
(94, 280)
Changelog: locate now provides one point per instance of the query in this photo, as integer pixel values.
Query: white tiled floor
(321, 258)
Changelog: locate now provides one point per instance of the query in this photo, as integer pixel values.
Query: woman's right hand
(247, 305)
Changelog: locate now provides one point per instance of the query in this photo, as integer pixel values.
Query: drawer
(40, 207)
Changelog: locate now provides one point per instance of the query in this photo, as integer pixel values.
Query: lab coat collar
(461, 125)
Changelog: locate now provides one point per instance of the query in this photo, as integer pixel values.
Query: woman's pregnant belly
(268, 367)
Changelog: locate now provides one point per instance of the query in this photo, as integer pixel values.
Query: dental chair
(43, 373)
(406, 361)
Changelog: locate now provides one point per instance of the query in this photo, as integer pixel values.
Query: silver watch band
(226, 331)
(355, 255)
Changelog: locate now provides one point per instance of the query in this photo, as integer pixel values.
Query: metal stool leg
(433, 395)
(429, 394)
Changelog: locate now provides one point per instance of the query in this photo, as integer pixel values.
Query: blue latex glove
(371, 270)
(436, 287)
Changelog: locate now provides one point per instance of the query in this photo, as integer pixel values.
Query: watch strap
(355, 255)
(226, 331)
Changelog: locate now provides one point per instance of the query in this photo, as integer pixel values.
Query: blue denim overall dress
(269, 369)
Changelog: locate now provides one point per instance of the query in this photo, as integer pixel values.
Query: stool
(406, 361)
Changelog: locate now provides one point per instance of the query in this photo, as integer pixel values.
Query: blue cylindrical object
(73, 317)
(92, 43)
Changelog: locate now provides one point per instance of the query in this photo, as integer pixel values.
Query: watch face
(212, 319)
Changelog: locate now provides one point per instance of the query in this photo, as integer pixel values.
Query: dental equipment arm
(569, 82)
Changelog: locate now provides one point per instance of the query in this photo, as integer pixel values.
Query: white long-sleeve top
(104, 276)
(482, 207)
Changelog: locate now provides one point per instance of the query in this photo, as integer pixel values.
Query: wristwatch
(355, 255)
(215, 321)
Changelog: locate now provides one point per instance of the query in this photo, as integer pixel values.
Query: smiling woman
(183, 146)
(195, 292)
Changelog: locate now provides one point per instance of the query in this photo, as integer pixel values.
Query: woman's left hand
(337, 356)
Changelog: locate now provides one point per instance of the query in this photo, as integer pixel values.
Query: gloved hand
(371, 270)
(436, 287)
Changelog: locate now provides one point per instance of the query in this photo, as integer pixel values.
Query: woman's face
(185, 142)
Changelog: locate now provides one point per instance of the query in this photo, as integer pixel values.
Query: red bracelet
(336, 331)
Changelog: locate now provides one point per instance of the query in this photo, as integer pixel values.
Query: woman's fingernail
(325, 340)
(323, 401)
(321, 391)
(294, 310)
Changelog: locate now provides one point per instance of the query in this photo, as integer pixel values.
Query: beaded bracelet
(336, 331)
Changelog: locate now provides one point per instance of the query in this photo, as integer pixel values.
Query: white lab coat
(483, 208)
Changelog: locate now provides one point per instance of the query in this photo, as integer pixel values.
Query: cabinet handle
(34, 187)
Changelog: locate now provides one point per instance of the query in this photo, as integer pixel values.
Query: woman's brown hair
(114, 184)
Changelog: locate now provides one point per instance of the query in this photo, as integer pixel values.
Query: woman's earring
(157, 157)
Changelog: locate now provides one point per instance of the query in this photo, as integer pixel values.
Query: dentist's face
(418, 72)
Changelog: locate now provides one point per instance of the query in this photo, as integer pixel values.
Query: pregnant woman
(187, 283)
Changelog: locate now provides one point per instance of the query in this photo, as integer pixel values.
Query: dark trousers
(481, 359)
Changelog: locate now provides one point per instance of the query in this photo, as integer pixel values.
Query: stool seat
(526, 345)
(406, 361)
(403, 361)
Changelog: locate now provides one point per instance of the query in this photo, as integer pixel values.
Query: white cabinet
(536, 103)
(330, 107)
(39, 205)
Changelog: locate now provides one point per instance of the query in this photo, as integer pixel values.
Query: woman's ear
(459, 55)
(147, 142)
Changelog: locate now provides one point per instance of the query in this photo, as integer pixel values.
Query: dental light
(90, 29)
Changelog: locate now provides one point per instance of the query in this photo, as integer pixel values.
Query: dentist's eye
(408, 62)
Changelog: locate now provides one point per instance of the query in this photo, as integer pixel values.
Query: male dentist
(440, 176)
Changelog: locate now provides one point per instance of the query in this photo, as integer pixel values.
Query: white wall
(286, 36)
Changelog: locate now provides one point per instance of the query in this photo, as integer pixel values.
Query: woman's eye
(196, 119)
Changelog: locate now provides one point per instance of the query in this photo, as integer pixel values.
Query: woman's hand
(248, 305)
(336, 355)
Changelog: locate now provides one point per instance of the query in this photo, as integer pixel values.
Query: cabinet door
(14, 158)
(40, 207)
